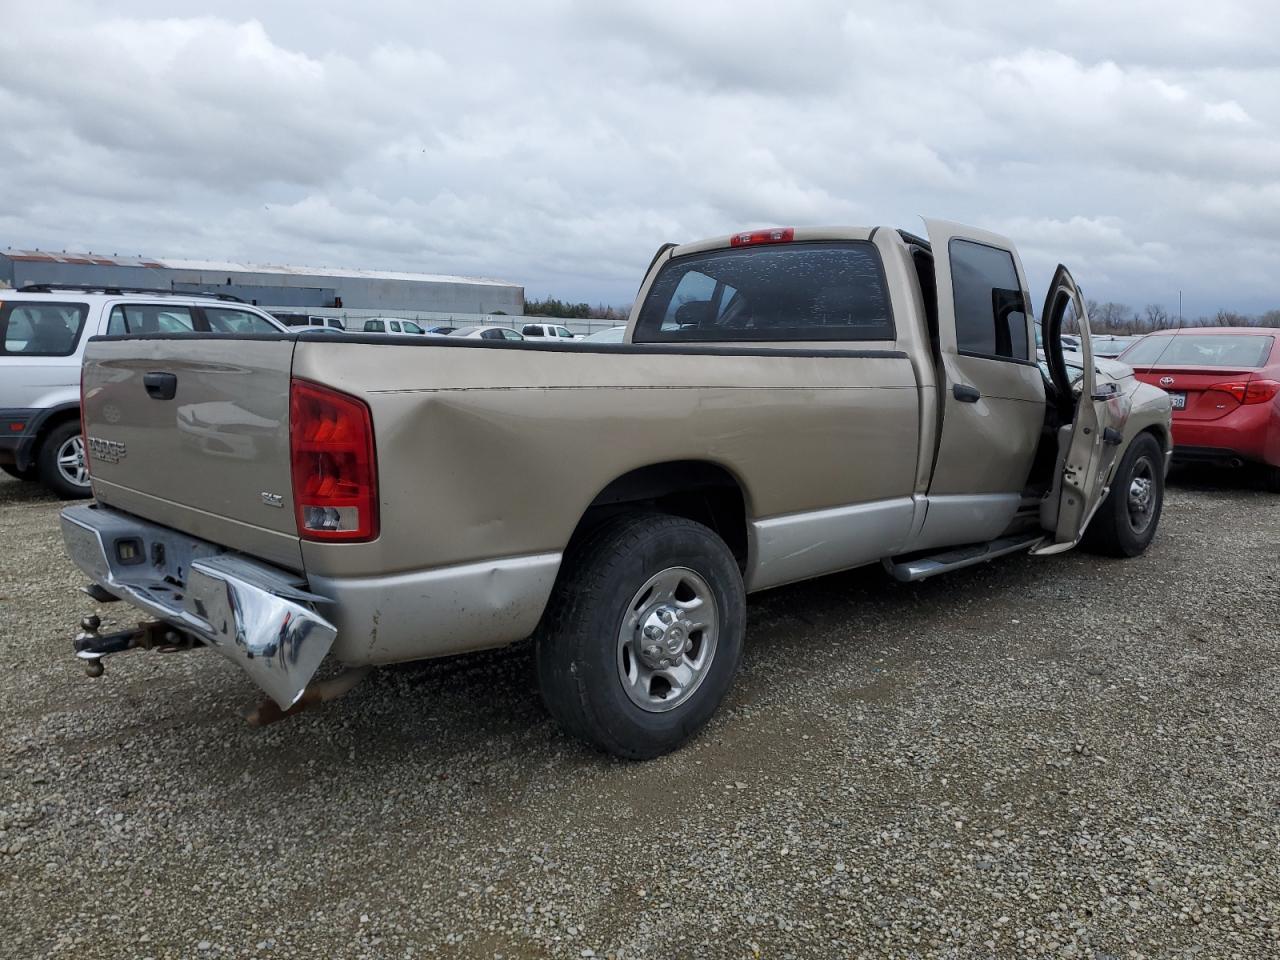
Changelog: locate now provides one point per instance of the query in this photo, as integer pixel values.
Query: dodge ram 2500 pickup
(787, 403)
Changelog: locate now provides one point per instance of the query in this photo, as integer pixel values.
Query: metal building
(270, 286)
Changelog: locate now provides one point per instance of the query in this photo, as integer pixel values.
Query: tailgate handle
(965, 393)
(160, 386)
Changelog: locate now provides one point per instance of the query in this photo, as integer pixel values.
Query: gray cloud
(558, 143)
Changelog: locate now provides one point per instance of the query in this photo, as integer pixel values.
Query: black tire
(1116, 530)
(580, 655)
(47, 462)
(11, 470)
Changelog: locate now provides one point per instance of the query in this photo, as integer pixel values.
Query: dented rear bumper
(258, 616)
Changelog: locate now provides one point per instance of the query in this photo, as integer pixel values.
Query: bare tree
(1155, 317)
(1109, 317)
(1229, 318)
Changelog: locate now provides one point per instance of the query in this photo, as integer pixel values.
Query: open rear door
(1089, 443)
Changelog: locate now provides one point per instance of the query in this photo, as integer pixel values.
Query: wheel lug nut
(665, 616)
(652, 632)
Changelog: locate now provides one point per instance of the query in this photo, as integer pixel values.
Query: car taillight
(774, 235)
(1249, 391)
(335, 481)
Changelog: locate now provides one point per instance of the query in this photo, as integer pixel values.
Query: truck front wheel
(643, 634)
(1126, 521)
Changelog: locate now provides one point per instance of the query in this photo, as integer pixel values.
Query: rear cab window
(40, 329)
(808, 291)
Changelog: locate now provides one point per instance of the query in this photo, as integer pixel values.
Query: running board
(958, 557)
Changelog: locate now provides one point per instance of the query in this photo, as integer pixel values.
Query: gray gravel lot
(1066, 757)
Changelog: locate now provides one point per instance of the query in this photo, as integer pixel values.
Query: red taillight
(335, 479)
(775, 235)
(1249, 391)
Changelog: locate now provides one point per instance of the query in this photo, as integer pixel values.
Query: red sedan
(1225, 385)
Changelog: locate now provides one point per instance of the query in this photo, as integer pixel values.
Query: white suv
(43, 331)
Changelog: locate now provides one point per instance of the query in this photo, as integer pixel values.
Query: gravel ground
(1066, 757)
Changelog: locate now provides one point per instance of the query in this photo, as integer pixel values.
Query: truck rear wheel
(643, 634)
(1126, 521)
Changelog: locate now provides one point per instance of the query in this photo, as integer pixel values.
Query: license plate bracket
(1178, 399)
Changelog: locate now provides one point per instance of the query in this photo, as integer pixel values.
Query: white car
(308, 320)
(43, 331)
(487, 333)
(393, 325)
(608, 335)
(547, 331)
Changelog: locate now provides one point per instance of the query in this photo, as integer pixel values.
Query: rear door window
(374, 326)
(41, 329)
(532, 330)
(128, 318)
(230, 320)
(991, 312)
(798, 291)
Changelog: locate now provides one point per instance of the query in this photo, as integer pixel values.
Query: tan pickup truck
(786, 404)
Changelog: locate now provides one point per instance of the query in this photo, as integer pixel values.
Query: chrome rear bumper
(258, 616)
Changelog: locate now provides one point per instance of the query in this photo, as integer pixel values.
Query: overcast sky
(558, 144)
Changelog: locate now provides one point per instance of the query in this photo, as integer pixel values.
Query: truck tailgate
(193, 433)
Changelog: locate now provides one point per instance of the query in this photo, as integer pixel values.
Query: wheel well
(1162, 438)
(694, 489)
(48, 424)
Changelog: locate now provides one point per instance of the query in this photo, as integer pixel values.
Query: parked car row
(1224, 382)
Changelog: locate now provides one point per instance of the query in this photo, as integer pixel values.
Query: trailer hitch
(91, 646)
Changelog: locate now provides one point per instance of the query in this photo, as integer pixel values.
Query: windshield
(1200, 350)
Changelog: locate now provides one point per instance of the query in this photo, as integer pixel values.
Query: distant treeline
(551, 307)
(1119, 318)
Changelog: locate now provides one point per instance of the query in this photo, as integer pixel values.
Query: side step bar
(921, 568)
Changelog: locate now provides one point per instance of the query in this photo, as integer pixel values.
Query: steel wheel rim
(71, 463)
(1141, 496)
(667, 639)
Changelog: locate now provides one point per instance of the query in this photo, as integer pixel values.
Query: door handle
(965, 393)
(160, 386)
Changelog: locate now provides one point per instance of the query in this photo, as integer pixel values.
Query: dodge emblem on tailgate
(108, 451)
